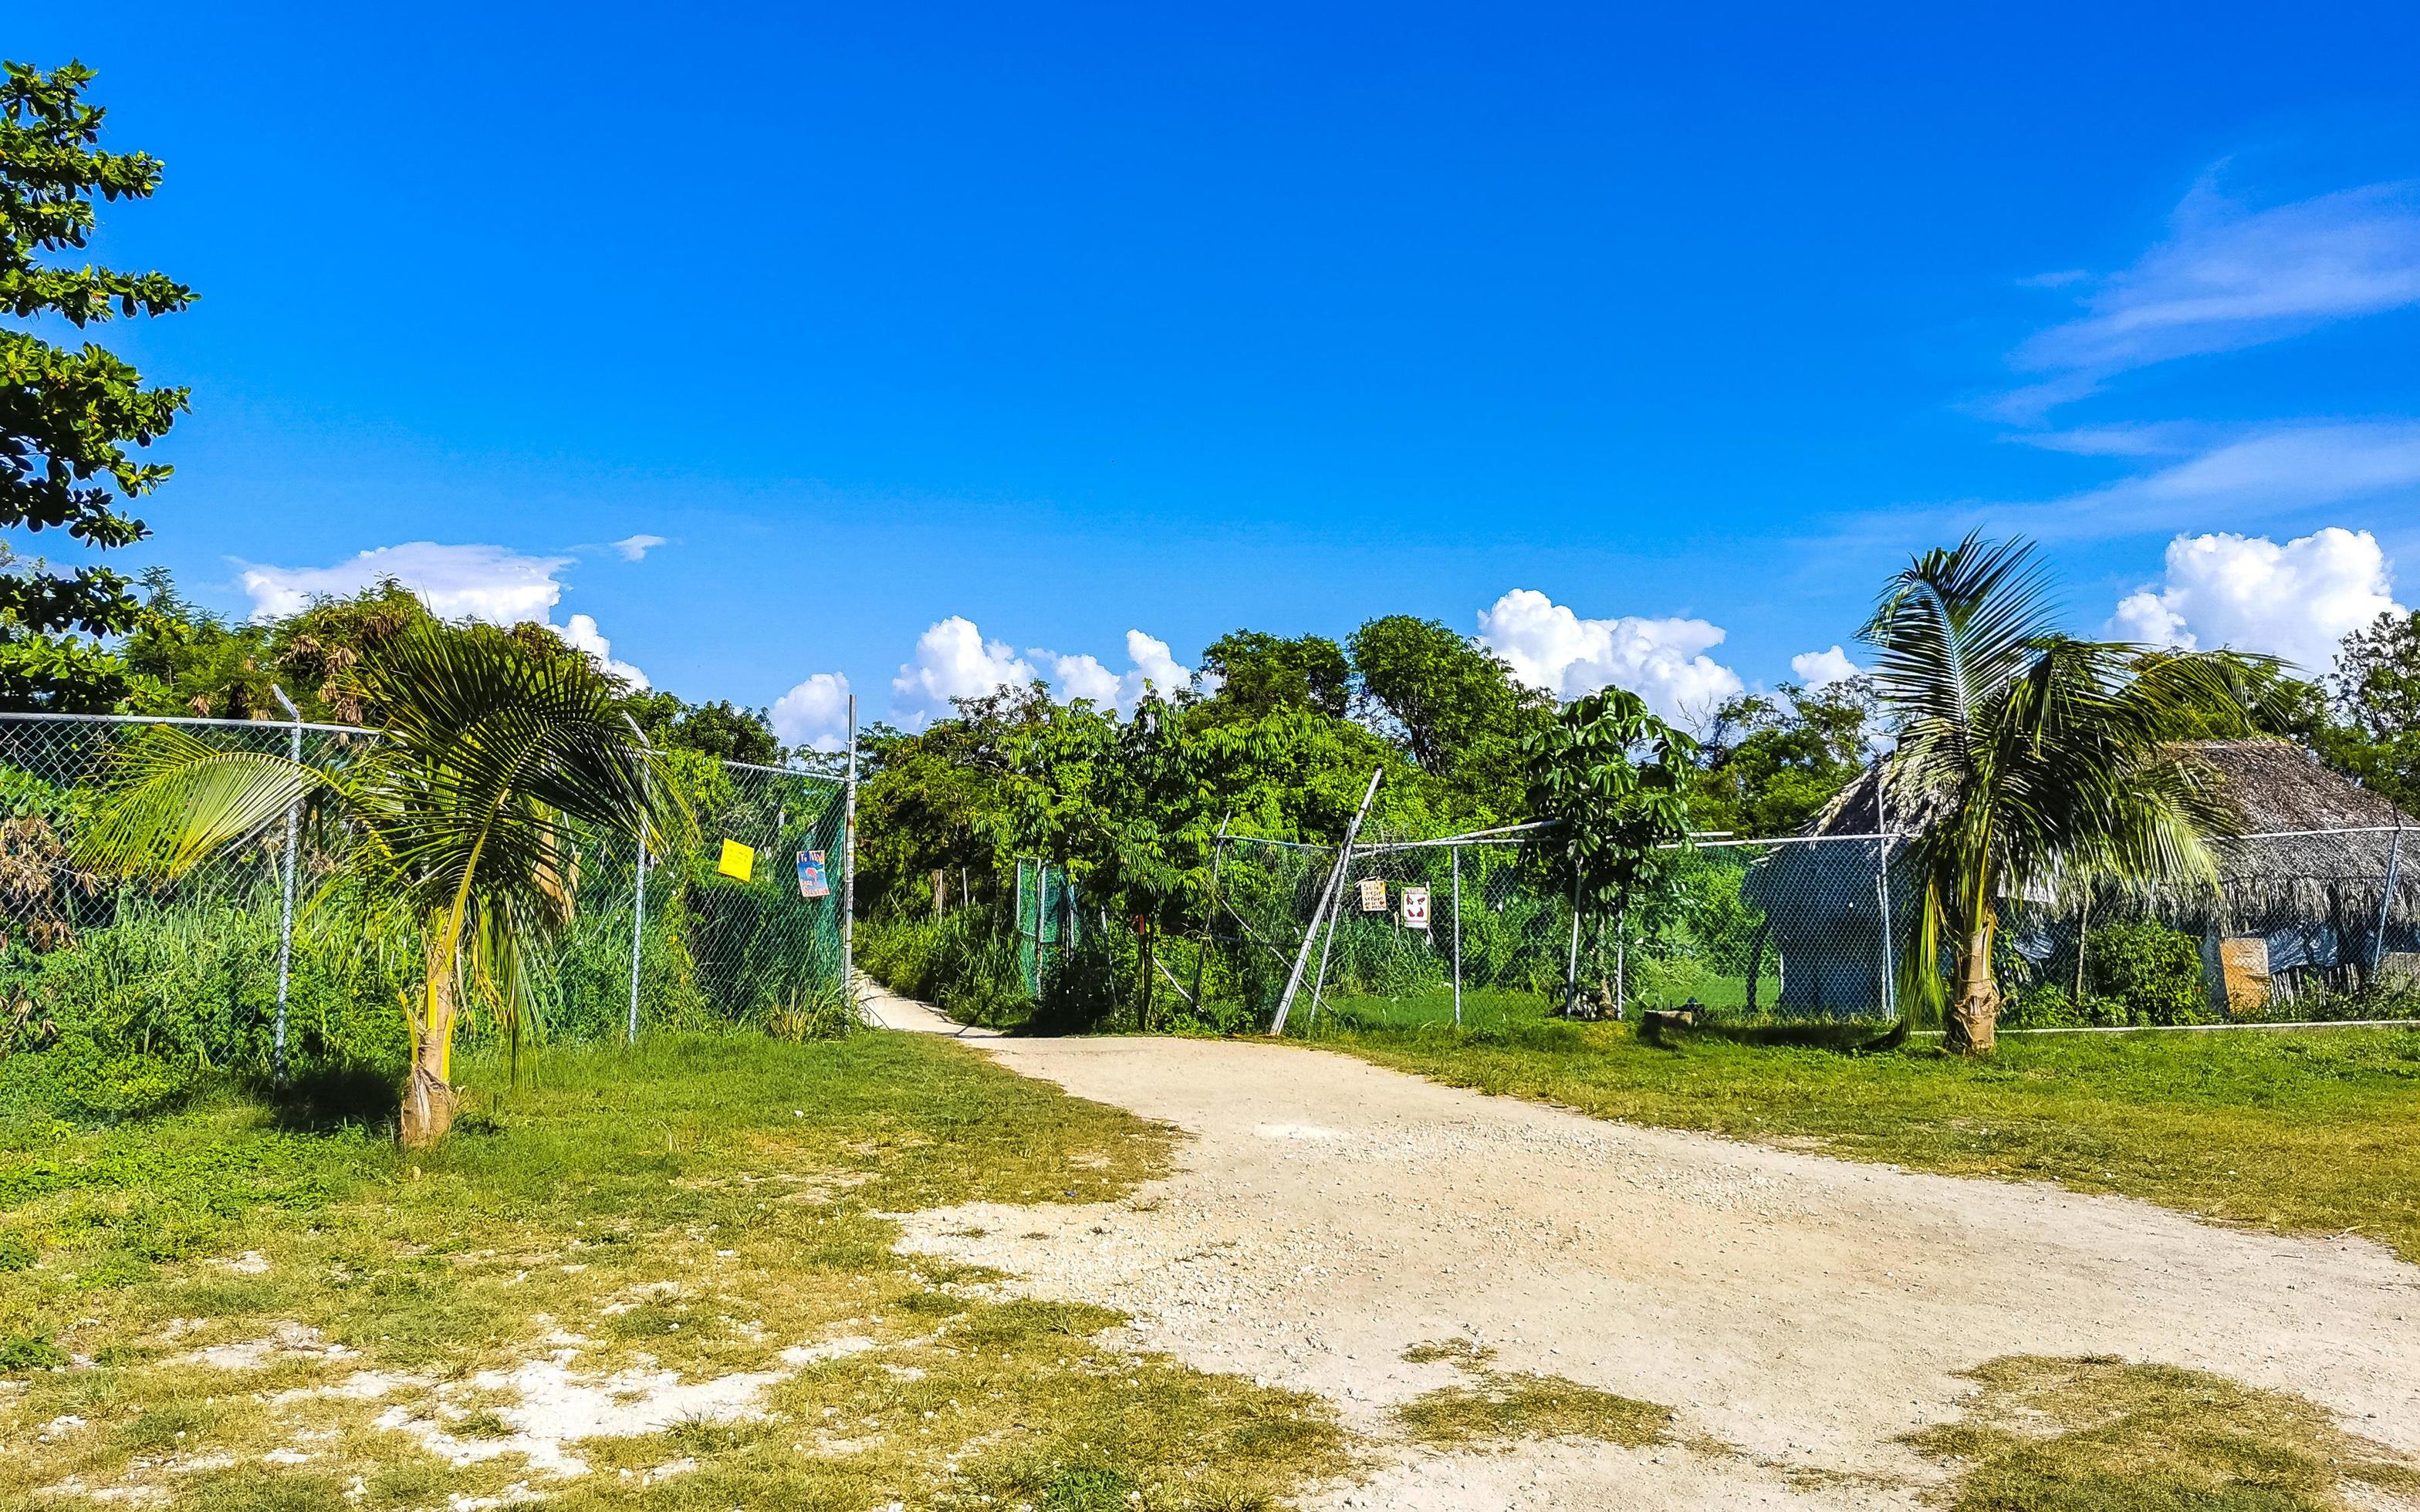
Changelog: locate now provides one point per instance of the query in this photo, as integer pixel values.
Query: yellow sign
(738, 860)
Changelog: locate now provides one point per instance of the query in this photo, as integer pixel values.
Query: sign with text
(1373, 895)
(738, 860)
(813, 880)
(1416, 908)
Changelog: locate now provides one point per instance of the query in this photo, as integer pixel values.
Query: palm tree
(491, 742)
(2026, 759)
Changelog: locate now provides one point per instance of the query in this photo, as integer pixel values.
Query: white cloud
(478, 583)
(953, 660)
(1154, 666)
(1821, 669)
(2228, 278)
(815, 712)
(2248, 593)
(635, 547)
(581, 633)
(1662, 661)
(2255, 476)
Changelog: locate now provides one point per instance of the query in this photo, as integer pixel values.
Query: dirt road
(1330, 1213)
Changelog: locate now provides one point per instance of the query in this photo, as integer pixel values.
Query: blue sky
(1682, 326)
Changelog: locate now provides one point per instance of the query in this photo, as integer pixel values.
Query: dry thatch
(2280, 874)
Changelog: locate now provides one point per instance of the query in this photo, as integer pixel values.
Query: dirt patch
(1330, 1215)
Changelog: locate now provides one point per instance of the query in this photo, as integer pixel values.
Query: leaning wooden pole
(1326, 897)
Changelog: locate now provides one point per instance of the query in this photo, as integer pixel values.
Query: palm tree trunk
(1975, 1012)
(428, 1095)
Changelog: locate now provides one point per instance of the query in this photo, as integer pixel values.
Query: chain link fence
(247, 961)
(1458, 930)
(1046, 912)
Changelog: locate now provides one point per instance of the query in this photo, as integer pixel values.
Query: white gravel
(1328, 1214)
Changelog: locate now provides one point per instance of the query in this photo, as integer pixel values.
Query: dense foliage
(67, 417)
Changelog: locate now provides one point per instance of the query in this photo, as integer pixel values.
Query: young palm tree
(2026, 759)
(490, 743)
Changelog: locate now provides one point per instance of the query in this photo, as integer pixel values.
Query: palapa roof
(2280, 870)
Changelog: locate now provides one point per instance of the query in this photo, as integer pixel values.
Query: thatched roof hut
(2321, 866)
(2312, 840)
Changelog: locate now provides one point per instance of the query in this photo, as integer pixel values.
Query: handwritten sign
(738, 860)
(1373, 895)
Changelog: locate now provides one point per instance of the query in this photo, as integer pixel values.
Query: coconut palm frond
(175, 802)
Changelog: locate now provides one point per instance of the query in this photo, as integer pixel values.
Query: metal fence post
(1890, 969)
(638, 931)
(1455, 853)
(285, 906)
(1335, 880)
(2386, 902)
(848, 862)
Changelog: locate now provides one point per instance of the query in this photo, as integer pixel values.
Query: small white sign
(1416, 908)
(1373, 895)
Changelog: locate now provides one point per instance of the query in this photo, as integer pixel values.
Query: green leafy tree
(1770, 763)
(2026, 759)
(2377, 689)
(459, 816)
(1458, 709)
(1258, 673)
(721, 729)
(1613, 781)
(1125, 806)
(931, 800)
(68, 416)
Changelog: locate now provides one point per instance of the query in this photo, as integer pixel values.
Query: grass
(2099, 1435)
(2296, 1132)
(655, 1228)
(1499, 1406)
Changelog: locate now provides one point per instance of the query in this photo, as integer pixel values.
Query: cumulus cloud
(635, 547)
(1662, 661)
(457, 582)
(2250, 593)
(2228, 277)
(1820, 669)
(477, 582)
(953, 660)
(581, 632)
(815, 712)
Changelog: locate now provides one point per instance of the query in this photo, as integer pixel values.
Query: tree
(1769, 763)
(2026, 759)
(1613, 781)
(67, 418)
(457, 817)
(1458, 709)
(721, 729)
(1259, 672)
(1125, 807)
(2377, 689)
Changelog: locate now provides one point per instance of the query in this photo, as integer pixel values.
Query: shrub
(2049, 1005)
(2155, 971)
(962, 963)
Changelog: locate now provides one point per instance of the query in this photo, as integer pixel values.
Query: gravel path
(1330, 1213)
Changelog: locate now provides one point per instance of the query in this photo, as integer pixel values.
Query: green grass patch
(2288, 1130)
(2098, 1434)
(1499, 1406)
(206, 1295)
